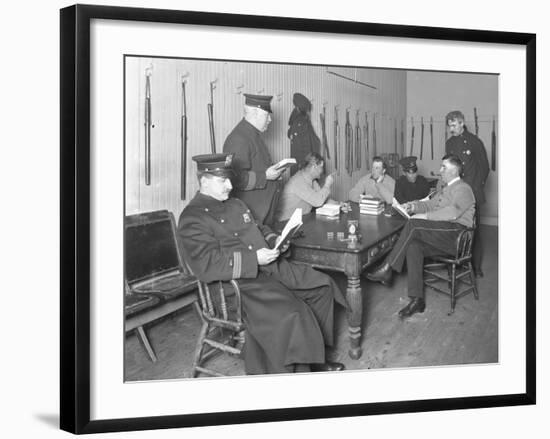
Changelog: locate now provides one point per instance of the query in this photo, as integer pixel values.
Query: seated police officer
(288, 308)
(410, 186)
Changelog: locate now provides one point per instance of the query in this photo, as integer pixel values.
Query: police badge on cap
(215, 164)
(409, 164)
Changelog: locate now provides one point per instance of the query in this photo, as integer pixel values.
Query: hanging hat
(409, 164)
(300, 101)
(259, 101)
(215, 164)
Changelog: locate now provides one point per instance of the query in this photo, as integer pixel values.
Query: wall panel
(387, 104)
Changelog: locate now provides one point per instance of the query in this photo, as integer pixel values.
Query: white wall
(30, 186)
(387, 103)
(434, 94)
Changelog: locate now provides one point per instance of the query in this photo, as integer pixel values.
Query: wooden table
(378, 235)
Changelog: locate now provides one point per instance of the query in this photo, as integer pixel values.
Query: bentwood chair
(222, 328)
(453, 271)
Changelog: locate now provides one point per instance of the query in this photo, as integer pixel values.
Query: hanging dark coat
(303, 138)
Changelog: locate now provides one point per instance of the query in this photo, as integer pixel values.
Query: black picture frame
(75, 217)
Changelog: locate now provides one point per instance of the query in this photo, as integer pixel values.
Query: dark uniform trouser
(420, 238)
(477, 248)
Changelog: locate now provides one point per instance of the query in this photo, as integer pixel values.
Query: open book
(400, 209)
(291, 226)
(285, 163)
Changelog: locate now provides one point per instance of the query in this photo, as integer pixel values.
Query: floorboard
(469, 336)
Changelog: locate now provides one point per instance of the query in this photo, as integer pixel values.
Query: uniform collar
(246, 125)
(454, 180)
(203, 201)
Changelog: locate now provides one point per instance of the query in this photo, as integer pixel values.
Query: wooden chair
(222, 328)
(453, 270)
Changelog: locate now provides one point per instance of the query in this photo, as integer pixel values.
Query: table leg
(355, 315)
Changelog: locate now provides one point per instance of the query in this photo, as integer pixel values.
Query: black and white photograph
(293, 218)
(284, 218)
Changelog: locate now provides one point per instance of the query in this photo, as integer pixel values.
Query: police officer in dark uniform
(410, 186)
(303, 139)
(470, 149)
(256, 180)
(288, 308)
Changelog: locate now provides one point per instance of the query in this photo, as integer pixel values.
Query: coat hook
(279, 96)
(149, 70)
(185, 75)
(239, 89)
(259, 92)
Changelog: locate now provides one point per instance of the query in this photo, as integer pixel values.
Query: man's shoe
(329, 366)
(416, 304)
(478, 272)
(382, 274)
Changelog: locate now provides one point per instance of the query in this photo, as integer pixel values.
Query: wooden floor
(470, 335)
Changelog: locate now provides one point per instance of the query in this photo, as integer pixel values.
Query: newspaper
(293, 224)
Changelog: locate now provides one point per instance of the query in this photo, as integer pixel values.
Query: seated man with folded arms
(432, 230)
(376, 183)
(288, 308)
(303, 190)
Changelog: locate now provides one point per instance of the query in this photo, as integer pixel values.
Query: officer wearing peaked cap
(471, 151)
(288, 308)
(256, 179)
(410, 186)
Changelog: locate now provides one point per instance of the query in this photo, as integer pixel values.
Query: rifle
(349, 143)
(183, 140)
(148, 123)
(494, 147)
(475, 121)
(336, 137)
(322, 116)
(366, 128)
(210, 108)
(412, 136)
(402, 137)
(357, 141)
(395, 133)
(421, 136)
(374, 134)
(432, 136)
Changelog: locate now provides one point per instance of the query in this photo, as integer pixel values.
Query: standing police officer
(471, 151)
(256, 178)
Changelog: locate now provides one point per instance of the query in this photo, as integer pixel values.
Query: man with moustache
(471, 151)
(288, 308)
(256, 180)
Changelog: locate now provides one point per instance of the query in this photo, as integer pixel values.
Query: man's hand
(284, 247)
(266, 256)
(273, 174)
(380, 179)
(329, 181)
(409, 207)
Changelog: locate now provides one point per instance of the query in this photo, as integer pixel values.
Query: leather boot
(416, 304)
(382, 274)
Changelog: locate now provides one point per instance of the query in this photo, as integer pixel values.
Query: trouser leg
(440, 235)
(415, 266)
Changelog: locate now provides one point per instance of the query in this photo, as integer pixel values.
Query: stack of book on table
(371, 205)
(329, 209)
